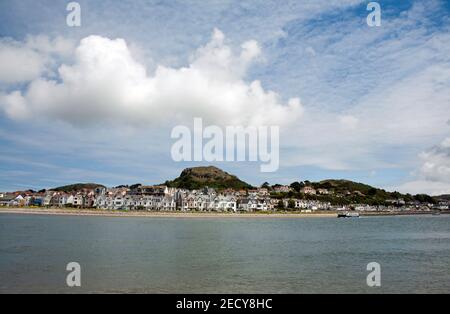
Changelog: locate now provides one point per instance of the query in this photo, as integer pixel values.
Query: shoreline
(149, 214)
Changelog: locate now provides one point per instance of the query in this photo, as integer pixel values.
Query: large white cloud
(106, 84)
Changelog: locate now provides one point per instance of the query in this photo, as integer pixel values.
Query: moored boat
(348, 215)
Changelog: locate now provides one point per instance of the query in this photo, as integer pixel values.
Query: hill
(343, 186)
(445, 197)
(77, 187)
(213, 177)
(345, 192)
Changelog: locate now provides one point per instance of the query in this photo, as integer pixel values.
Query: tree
(326, 185)
(423, 198)
(296, 186)
(265, 185)
(280, 204)
(291, 204)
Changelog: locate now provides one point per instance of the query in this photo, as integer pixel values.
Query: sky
(97, 103)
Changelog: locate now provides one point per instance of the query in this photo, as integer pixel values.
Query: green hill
(343, 186)
(345, 192)
(213, 177)
(77, 187)
(445, 197)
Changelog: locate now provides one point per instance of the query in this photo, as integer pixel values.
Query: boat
(436, 213)
(348, 215)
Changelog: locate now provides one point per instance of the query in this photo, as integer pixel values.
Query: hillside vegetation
(213, 177)
(77, 187)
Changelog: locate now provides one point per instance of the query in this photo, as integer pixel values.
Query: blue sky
(375, 101)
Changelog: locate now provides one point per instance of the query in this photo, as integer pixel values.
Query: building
(7, 200)
(149, 190)
(255, 204)
(308, 190)
(78, 200)
(282, 189)
(247, 204)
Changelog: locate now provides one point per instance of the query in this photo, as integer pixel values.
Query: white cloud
(25, 61)
(424, 187)
(436, 166)
(15, 106)
(310, 51)
(105, 83)
(348, 121)
(18, 64)
(45, 45)
(374, 97)
(433, 177)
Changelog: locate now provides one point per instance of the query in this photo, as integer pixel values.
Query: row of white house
(162, 199)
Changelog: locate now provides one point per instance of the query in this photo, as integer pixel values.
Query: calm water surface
(224, 255)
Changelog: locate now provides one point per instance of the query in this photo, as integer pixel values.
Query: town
(164, 198)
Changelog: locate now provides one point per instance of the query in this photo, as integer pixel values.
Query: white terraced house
(248, 204)
(302, 204)
(59, 200)
(222, 203)
(263, 205)
(188, 203)
(169, 204)
(100, 201)
(119, 202)
(69, 200)
(256, 204)
(47, 199)
(78, 200)
(305, 204)
(161, 198)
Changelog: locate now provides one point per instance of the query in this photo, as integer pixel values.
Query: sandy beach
(108, 213)
(152, 214)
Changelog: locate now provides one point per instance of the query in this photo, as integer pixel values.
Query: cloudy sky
(97, 103)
